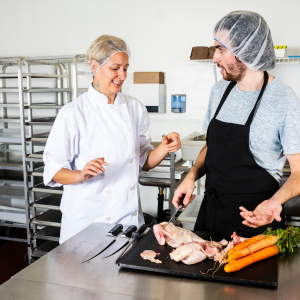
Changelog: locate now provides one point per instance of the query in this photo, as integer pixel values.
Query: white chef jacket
(89, 128)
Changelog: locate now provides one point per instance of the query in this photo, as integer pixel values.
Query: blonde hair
(104, 47)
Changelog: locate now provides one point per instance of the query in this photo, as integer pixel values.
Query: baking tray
(262, 273)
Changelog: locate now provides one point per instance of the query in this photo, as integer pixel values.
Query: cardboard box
(211, 51)
(149, 77)
(199, 53)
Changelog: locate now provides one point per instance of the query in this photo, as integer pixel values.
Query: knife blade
(135, 237)
(105, 244)
(120, 243)
(178, 208)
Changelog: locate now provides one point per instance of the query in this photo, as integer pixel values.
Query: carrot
(260, 244)
(246, 243)
(250, 259)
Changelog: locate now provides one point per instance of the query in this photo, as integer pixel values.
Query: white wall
(160, 34)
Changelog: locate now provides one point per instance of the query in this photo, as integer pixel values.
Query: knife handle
(116, 229)
(129, 231)
(137, 234)
(181, 200)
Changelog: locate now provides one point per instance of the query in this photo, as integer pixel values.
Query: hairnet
(104, 47)
(248, 37)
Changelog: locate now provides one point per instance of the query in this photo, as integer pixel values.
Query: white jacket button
(104, 135)
(108, 192)
(134, 214)
(108, 218)
(131, 161)
(132, 188)
(128, 133)
(98, 107)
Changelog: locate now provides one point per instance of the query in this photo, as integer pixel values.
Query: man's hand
(186, 187)
(263, 214)
(172, 142)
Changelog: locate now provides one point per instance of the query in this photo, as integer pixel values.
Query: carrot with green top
(246, 243)
(260, 244)
(250, 259)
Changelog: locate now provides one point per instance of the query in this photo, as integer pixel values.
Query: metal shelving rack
(42, 229)
(51, 219)
(279, 61)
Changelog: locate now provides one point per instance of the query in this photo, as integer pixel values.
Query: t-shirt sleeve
(290, 131)
(144, 137)
(209, 113)
(61, 148)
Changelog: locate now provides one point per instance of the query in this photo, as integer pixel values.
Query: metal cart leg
(160, 205)
(24, 153)
(172, 183)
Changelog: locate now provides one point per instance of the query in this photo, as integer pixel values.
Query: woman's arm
(93, 168)
(170, 143)
(61, 148)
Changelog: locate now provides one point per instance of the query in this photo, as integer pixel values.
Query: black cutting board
(261, 273)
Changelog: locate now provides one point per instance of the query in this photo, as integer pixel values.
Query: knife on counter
(122, 241)
(105, 244)
(135, 237)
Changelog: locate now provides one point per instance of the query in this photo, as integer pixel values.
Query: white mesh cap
(248, 37)
(104, 47)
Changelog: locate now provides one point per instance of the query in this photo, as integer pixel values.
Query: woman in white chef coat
(98, 145)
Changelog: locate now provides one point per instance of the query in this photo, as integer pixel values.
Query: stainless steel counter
(62, 269)
(20, 289)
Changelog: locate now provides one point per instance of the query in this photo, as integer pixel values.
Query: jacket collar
(101, 98)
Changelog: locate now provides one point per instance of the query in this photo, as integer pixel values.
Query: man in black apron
(240, 195)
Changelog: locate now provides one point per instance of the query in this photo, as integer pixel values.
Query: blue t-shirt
(275, 129)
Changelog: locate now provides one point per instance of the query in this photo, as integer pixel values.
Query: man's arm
(188, 184)
(291, 188)
(270, 209)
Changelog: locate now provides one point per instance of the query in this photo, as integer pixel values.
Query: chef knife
(178, 208)
(120, 243)
(105, 244)
(135, 237)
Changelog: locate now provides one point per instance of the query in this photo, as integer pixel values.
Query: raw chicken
(150, 255)
(191, 248)
(223, 243)
(189, 254)
(173, 235)
(210, 249)
(235, 240)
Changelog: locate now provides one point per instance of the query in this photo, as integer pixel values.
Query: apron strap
(227, 91)
(250, 118)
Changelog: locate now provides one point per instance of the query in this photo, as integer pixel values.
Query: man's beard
(234, 72)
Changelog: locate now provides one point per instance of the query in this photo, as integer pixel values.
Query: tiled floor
(12, 257)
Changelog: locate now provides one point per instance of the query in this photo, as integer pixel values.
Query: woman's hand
(172, 142)
(92, 169)
(263, 214)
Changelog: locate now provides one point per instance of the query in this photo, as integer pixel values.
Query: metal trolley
(21, 148)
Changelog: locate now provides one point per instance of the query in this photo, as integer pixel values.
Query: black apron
(233, 177)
